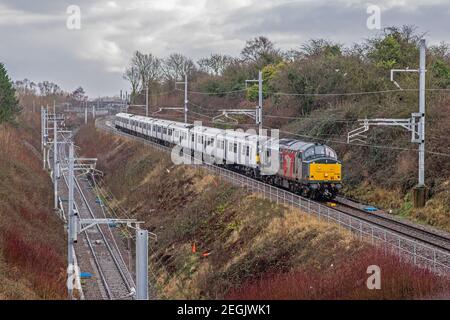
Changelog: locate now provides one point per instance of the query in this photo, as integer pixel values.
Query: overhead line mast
(415, 124)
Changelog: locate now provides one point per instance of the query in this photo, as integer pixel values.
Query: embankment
(216, 240)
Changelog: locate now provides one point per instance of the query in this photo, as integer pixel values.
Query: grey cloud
(93, 57)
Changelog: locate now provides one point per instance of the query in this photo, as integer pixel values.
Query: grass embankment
(241, 241)
(32, 241)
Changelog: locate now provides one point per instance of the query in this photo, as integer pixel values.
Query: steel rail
(112, 254)
(94, 255)
(371, 217)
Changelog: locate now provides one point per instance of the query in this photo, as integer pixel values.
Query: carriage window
(192, 138)
(268, 153)
(247, 151)
(235, 147)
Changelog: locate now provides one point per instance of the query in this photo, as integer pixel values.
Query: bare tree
(148, 67)
(79, 94)
(215, 64)
(176, 65)
(132, 75)
(258, 50)
(47, 88)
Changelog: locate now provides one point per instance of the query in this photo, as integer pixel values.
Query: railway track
(422, 247)
(116, 281)
(429, 237)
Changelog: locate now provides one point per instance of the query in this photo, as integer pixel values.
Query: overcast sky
(35, 42)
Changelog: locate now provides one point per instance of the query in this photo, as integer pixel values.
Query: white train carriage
(241, 149)
(211, 146)
(123, 120)
(180, 134)
(222, 146)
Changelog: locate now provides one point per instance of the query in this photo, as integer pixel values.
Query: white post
(141, 264)
(85, 114)
(44, 125)
(422, 112)
(260, 100)
(146, 100)
(55, 162)
(42, 128)
(70, 218)
(185, 97)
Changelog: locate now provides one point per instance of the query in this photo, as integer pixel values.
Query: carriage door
(239, 156)
(299, 165)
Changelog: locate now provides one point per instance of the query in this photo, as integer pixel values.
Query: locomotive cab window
(319, 151)
(309, 153)
(331, 153)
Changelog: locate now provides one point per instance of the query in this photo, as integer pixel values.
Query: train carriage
(309, 169)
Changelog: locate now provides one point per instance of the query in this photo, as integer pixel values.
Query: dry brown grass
(32, 239)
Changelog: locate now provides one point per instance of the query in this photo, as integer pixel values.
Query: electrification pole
(141, 264)
(42, 127)
(186, 101)
(415, 124)
(258, 111)
(70, 225)
(55, 161)
(146, 100)
(422, 112)
(44, 135)
(260, 100)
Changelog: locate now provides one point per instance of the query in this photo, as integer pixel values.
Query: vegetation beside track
(32, 238)
(217, 241)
